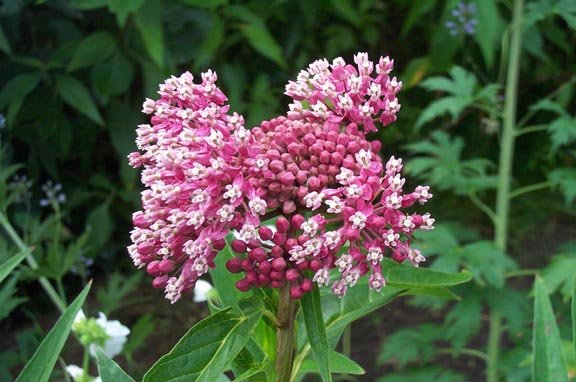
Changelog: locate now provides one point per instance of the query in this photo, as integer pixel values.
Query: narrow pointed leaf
(312, 311)
(94, 49)
(149, 22)
(263, 42)
(205, 351)
(339, 363)
(15, 92)
(548, 364)
(75, 94)
(40, 366)
(407, 276)
(109, 370)
(12, 263)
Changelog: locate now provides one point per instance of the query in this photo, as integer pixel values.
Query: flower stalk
(285, 335)
(505, 176)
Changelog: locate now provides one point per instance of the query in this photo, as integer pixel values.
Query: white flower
(93, 332)
(202, 290)
(77, 374)
(117, 336)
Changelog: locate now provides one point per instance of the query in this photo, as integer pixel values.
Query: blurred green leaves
(440, 163)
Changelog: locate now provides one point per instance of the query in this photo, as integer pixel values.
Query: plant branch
(526, 189)
(48, 288)
(505, 175)
(533, 112)
(467, 351)
(522, 272)
(531, 129)
(285, 336)
(482, 206)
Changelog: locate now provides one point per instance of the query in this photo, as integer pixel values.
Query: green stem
(531, 129)
(522, 272)
(285, 336)
(482, 206)
(48, 288)
(526, 189)
(505, 176)
(467, 351)
(86, 361)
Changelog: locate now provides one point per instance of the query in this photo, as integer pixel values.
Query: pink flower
(338, 206)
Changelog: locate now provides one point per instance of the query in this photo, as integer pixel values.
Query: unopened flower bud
(238, 246)
(265, 233)
(234, 265)
(282, 224)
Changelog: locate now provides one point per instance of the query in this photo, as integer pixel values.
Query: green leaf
(12, 263)
(347, 11)
(100, 224)
(251, 375)
(565, 180)
(206, 349)
(4, 44)
(408, 276)
(264, 43)
(109, 370)
(94, 49)
(487, 263)
(8, 299)
(123, 8)
(339, 364)
(562, 131)
(40, 366)
(14, 93)
(312, 311)
(462, 83)
(149, 22)
(489, 30)
(75, 94)
(447, 105)
(422, 348)
(440, 163)
(548, 364)
(559, 274)
(549, 105)
(464, 320)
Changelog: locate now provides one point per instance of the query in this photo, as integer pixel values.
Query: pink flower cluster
(338, 206)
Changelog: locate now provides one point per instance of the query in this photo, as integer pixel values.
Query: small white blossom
(202, 290)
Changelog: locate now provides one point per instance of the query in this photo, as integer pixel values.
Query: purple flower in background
(464, 21)
(2, 121)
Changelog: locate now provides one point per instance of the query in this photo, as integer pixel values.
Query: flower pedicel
(338, 205)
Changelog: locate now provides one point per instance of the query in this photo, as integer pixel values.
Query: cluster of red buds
(337, 204)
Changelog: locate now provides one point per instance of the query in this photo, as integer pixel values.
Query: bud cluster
(338, 206)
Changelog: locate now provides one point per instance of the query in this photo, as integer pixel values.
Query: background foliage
(74, 75)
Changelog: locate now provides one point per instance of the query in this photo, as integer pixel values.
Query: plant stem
(505, 176)
(285, 336)
(482, 206)
(532, 187)
(471, 352)
(48, 288)
(531, 129)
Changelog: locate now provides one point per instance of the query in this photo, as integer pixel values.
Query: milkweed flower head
(338, 204)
